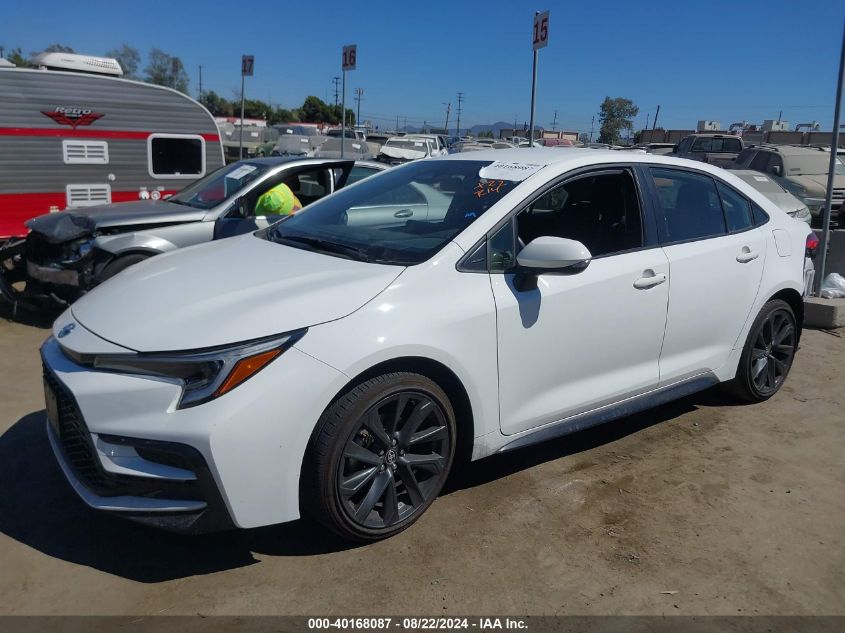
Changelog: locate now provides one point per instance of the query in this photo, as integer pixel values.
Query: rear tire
(379, 456)
(768, 353)
(120, 264)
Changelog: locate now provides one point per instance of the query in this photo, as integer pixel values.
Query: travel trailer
(73, 133)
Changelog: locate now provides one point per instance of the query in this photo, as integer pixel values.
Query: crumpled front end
(56, 260)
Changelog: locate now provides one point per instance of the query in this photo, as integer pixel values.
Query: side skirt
(613, 411)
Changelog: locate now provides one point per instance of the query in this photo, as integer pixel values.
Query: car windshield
(401, 217)
(814, 165)
(762, 183)
(219, 185)
(339, 133)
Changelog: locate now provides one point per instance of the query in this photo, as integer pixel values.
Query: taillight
(812, 245)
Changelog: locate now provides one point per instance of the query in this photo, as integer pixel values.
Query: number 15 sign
(350, 56)
(541, 30)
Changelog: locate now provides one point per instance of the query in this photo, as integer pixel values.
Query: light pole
(448, 110)
(834, 144)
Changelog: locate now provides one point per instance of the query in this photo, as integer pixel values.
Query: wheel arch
(796, 302)
(441, 374)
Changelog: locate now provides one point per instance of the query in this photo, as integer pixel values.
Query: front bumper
(242, 452)
(170, 485)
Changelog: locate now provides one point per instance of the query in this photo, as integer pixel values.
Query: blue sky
(716, 60)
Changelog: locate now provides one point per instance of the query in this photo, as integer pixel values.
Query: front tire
(768, 353)
(379, 456)
(120, 264)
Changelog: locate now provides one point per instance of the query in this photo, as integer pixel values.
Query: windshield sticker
(761, 179)
(241, 171)
(482, 188)
(509, 170)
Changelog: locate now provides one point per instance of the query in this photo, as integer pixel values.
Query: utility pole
(654, 124)
(554, 123)
(448, 110)
(831, 171)
(359, 94)
(460, 103)
(647, 115)
(336, 82)
(592, 126)
(200, 80)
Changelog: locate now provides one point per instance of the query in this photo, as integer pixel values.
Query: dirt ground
(702, 506)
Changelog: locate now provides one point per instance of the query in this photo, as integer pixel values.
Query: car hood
(119, 214)
(400, 152)
(225, 292)
(817, 182)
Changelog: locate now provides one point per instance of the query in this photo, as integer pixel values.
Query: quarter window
(691, 206)
(176, 156)
(737, 209)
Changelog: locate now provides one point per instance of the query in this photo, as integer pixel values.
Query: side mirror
(243, 207)
(547, 254)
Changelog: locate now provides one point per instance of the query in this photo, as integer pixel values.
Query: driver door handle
(649, 281)
(404, 213)
(747, 255)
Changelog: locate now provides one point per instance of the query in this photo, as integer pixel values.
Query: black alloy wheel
(773, 351)
(768, 353)
(394, 462)
(379, 456)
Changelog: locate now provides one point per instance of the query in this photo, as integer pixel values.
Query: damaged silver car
(69, 252)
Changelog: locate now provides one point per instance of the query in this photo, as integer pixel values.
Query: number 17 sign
(541, 30)
(350, 55)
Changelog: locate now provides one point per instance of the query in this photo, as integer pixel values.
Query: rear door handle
(404, 213)
(649, 281)
(746, 255)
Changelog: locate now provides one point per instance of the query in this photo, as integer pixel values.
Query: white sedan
(338, 368)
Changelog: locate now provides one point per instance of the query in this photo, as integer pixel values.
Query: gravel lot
(702, 506)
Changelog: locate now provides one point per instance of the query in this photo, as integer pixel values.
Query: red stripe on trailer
(17, 208)
(126, 135)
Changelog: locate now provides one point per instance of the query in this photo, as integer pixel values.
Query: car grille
(74, 437)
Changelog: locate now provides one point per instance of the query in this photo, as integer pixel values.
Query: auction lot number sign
(541, 30)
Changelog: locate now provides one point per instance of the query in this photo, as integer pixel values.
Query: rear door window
(691, 208)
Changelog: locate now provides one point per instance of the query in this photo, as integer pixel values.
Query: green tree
(217, 105)
(485, 134)
(16, 57)
(616, 115)
(128, 58)
(56, 48)
(166, 70)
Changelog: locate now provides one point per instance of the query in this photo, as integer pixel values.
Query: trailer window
(176, 156)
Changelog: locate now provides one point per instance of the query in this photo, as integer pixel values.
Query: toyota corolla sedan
(337, 368)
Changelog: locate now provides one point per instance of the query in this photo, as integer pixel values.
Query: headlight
(204, 375)
(802, 214)
(78, 250)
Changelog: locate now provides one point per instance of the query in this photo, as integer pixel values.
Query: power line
(460, 103)
(359, 94)
(336, 82)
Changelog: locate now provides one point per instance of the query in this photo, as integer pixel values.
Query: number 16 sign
(350, 55)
